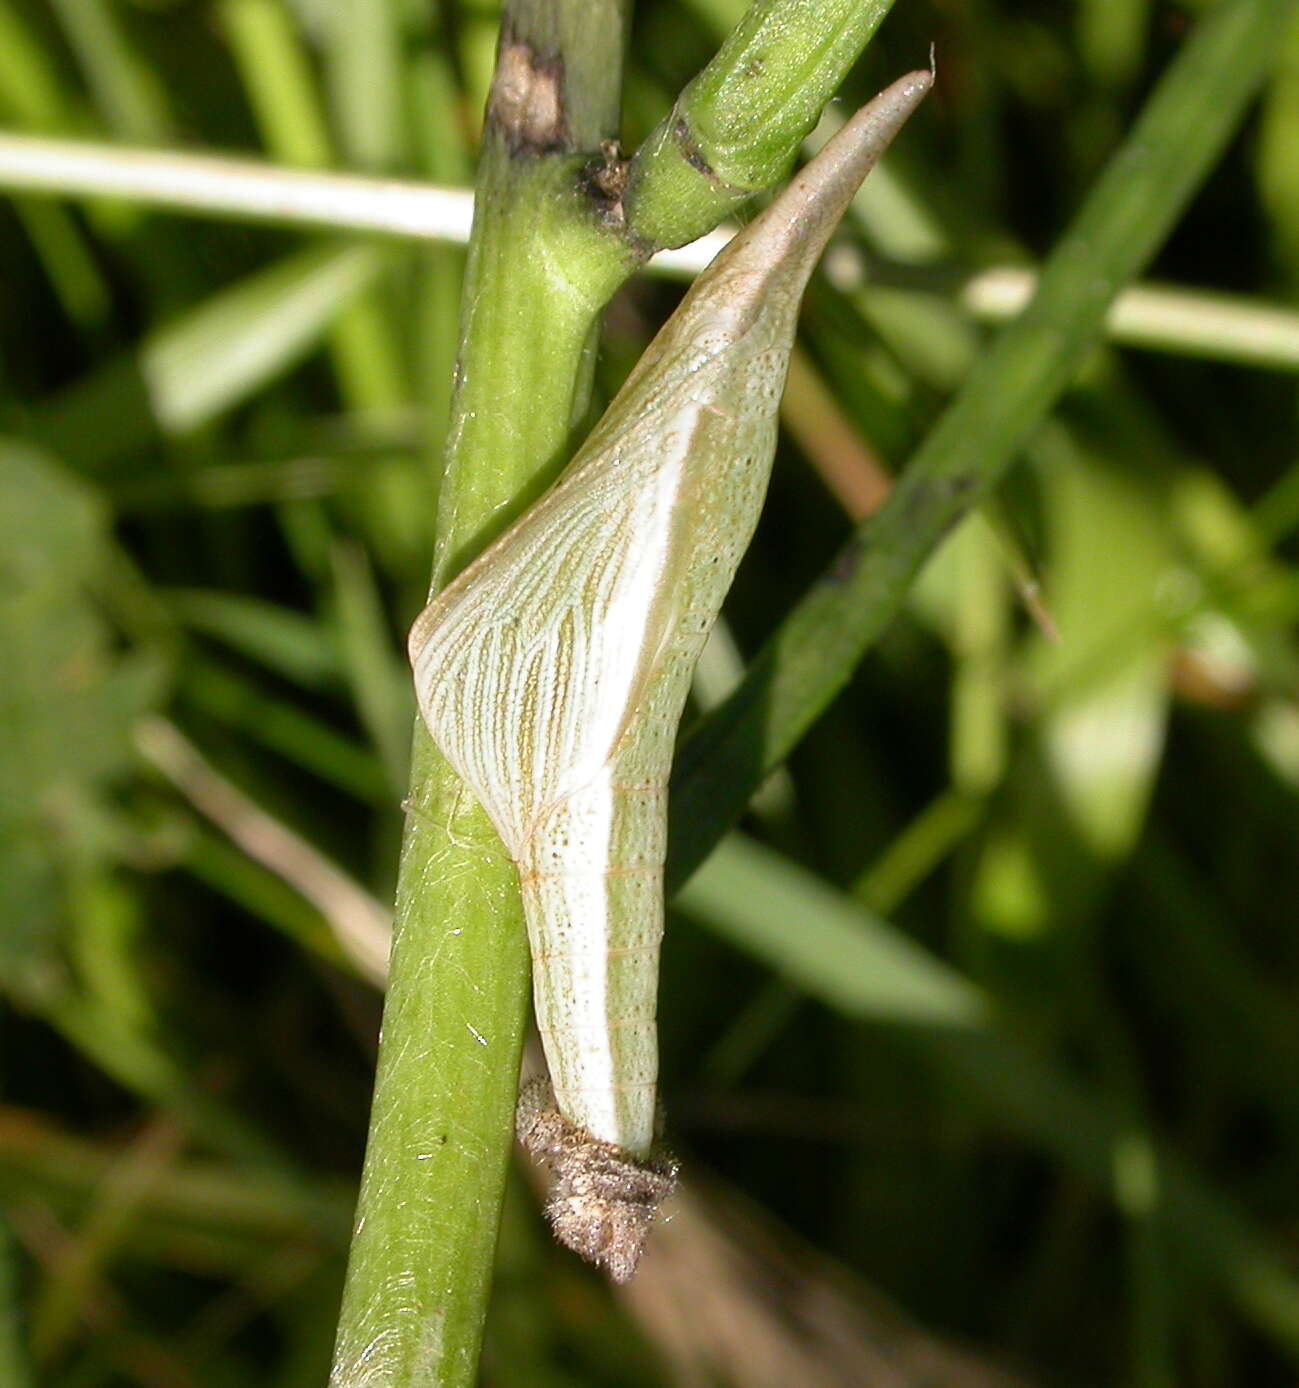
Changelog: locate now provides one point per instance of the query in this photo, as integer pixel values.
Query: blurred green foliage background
(985, 1030)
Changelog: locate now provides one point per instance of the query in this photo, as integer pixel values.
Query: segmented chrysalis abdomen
(553, 672)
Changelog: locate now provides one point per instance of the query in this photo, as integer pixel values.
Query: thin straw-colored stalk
(1160, 317)
(242, 188)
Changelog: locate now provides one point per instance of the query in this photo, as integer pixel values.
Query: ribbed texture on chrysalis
(552, 673)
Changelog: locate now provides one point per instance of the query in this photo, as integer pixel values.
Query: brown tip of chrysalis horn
(603, 1200)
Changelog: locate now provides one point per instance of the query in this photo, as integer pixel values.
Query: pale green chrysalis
(553, 671)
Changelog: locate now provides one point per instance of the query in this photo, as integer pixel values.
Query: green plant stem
(15, 1368)
(738, 125)
(421, 1258)
(1176, 140)
(364, 344)
(125, 89)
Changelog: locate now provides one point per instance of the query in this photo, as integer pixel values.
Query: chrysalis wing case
(553, 672)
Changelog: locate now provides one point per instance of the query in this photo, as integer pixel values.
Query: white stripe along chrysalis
(553, 672)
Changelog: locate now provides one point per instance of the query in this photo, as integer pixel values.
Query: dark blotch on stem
(962, 485)
(961, 490)
(846, 563)
(527, 101)
(691, 152)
